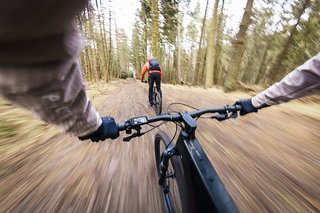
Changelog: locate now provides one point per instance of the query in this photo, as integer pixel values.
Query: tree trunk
(211, 48)
(168, 63)
(104, 42)
(217, 60)
(202, 75)
(155, 46)
(199, 53)
(108, 71)
(231, 80)
(91, 51)
(178, 53)
(262, 67)
(119, 69)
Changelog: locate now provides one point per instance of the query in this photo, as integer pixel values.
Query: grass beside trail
(17, 123)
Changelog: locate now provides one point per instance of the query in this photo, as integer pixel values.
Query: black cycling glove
(108, 129)
(247, 106)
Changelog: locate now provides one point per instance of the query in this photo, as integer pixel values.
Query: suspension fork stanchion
(167, 154)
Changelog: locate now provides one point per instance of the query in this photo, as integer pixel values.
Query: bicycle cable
(175, 133)
(154, 126)
(179, 103)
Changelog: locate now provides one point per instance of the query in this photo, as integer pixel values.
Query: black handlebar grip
(121, 126)
(238, 107)
(232, 108)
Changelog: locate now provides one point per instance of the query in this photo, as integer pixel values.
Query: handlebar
(136, 122)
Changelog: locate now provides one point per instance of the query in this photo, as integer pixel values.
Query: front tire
(174, 188)
(157, 102)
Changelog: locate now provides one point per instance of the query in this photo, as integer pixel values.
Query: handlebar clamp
(190, 123)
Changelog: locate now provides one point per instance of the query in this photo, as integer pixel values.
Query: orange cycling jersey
(146, 67)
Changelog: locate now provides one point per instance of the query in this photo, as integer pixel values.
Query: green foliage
(130, 75)
(124, 75)
(306, 41)
(145, 9)
(138, 50)
(192, 32)
(169, 11)
(7, 130)
(268, 40)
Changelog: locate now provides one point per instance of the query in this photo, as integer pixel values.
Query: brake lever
(234, 115)
(127, 139)
(220, 117)
(136, 134)
(225, 116)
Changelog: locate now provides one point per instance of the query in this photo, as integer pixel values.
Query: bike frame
(205, 190)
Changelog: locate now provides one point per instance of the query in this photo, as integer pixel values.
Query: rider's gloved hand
(108, 129)
(247, 106)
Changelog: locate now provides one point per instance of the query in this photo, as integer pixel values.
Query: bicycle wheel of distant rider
(173, 191)
(157, 102)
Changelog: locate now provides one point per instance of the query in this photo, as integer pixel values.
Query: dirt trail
(269, 161)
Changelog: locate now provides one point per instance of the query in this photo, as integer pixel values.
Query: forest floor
(269, 161)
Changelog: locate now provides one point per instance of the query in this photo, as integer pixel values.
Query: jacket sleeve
(144, 70)
(39, 69)
(55, 92)
(304, 80)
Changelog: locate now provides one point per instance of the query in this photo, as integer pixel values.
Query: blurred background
(229, 44)
(212, 52)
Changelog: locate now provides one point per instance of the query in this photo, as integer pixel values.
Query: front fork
(166, 155)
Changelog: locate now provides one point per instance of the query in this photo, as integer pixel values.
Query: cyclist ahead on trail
(152, 66)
